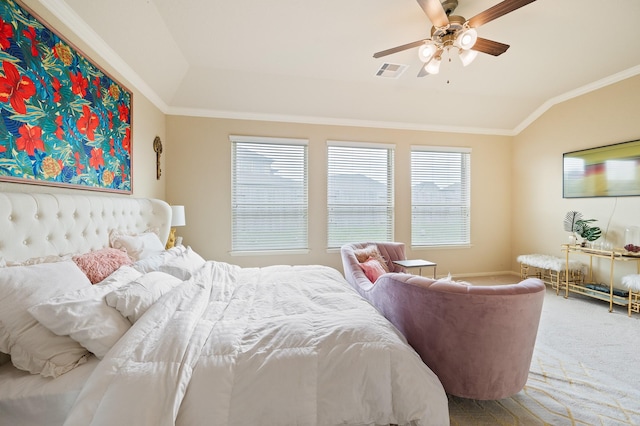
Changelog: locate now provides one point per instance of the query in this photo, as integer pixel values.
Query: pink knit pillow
(98, 265)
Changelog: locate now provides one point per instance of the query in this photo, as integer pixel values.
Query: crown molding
(599, 84)
(331, 121)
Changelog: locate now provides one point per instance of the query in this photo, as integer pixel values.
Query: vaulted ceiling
(312, 61)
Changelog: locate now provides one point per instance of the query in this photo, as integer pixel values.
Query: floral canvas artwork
(64, 120)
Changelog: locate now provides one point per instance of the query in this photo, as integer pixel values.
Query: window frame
(280, 141)
(332, 241)
(465, 201)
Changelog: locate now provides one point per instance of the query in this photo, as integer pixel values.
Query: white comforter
(271, 346)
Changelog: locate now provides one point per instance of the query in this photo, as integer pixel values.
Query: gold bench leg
(524, 271)
(634, 302)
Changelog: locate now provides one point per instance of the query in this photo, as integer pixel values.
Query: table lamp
(177, 219)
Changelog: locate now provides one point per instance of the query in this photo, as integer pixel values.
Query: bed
(126, 332)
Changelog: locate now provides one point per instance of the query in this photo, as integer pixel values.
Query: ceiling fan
(455, 32)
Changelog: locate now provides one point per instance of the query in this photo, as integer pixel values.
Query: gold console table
(613, 256)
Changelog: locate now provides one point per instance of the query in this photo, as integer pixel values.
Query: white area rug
(585, 371)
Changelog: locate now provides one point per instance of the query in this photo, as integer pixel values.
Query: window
(360, 193)
(269, 194)
(440, 196)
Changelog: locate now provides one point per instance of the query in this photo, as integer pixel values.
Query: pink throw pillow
(372, 269)
(98, 265)
(371, 251)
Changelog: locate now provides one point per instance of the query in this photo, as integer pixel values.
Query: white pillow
(85, 316)
(35, 260)
(184, 265)
(33, 347)
(138, 246)
(133, 299)
(153, 263)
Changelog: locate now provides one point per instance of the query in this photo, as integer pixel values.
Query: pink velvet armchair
(478, 340)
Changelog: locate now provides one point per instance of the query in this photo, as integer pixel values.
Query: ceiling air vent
(388, 70)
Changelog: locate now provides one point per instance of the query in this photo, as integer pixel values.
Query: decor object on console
(66, 122)
(588, 232)
(632, 239)
(570, 220)
(478, 340)
(455, 33)
(177, 219)
(574, 223)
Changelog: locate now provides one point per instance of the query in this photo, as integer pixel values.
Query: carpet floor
(585, 369)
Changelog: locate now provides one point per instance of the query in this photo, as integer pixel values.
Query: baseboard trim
(485, 274)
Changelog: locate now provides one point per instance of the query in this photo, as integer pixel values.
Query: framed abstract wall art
(64, 121)
(605, 171)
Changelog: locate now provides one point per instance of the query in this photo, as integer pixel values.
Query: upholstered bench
(550, 269)
(632, 282)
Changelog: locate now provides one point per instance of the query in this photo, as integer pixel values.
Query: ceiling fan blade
(423, 72)
(435, 12)
(398, 48)
(490, 47)
(500, 9)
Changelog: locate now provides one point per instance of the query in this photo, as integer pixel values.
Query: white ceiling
(312, 62)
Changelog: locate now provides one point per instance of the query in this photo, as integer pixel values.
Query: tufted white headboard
(38, 224)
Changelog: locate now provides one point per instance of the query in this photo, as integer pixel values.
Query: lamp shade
(426, 52)
(177, 216)
(467, 56)
(467, 39)
(433, 67)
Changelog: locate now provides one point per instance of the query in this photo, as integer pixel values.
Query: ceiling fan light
(467, 56)
(433, 67)
(467, 38)
(426, 52)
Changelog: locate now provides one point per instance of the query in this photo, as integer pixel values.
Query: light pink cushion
(98, 265)
(372, 269)
(371, 251)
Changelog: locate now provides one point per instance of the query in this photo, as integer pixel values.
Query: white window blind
(360, 193)
(269, 194)
(440, 196)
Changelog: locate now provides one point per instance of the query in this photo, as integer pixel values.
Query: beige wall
(602, 117)
(148, 121)
(199, 168)
(517, 204)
